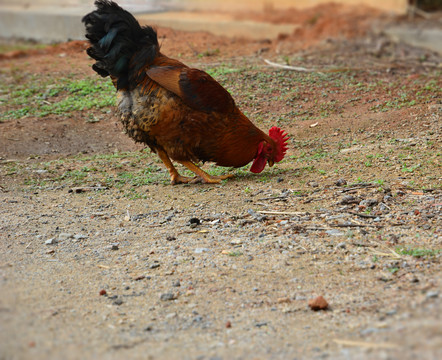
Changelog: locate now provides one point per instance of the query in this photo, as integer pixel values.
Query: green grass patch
(417, 252)
(42, 97)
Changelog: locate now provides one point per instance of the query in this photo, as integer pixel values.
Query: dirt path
(101, 258)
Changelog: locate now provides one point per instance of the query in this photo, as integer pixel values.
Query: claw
(179, 179)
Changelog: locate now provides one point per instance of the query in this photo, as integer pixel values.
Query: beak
(271, 163)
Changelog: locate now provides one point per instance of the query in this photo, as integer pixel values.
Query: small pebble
(118, 302)
(349, 199)
(235, 242)
(368, 202)
(383, 207)
(228, 324)
(432, 294)
(341, 182)
(201, 250)
(197, 319)
(387, 198)
(256, 216)
(261, 324)
(103, 292)
(341, 245)
(167, 297)
(334, 232)
(51, 241)
(176, 283)
(65, 236)
(154, 266)
(369, 331)
(318, 303)
(114, 246)
(171, 315)
(194, 220)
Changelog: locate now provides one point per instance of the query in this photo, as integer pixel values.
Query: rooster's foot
(178, 179)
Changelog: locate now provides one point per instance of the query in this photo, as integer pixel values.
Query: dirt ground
(102, 258)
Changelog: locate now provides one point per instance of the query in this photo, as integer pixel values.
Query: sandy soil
(96, 263)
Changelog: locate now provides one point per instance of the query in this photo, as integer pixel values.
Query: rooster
(181, 113)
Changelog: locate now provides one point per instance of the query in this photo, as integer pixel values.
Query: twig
(317, 228)
(274, 198)
(365, 344)
(362, 215)
(81, 189)
(287, 67)
(297, 213)
(391, 253)
(361, 186)
(356, 225)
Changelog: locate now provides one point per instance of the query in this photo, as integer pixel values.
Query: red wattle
(258, 164)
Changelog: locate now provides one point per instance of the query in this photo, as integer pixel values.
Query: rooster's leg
(206, 178)
(175, 178)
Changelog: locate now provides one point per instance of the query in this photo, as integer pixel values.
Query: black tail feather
(119, 44)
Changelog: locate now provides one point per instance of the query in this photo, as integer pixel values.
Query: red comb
(281, 139)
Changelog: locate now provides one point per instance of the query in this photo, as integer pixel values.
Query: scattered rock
(283, 300)
(103, 292)
(318, 303)
(167, 297)
(154, 266)
(369, 331)
(118, 302)
(65, 236)
(115, 246)
(235, 242)
(350, 199)
(432, 294)
(195, 221)
(171, 316)
(341, 182)
(51, 241)
(254, 215)
(176, 283)
(368, 202)
(261, 324)
(201, 250)
(334, 232)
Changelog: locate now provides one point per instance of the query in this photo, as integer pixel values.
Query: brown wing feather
(167, 76)
(195, 87)
(204, 93)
